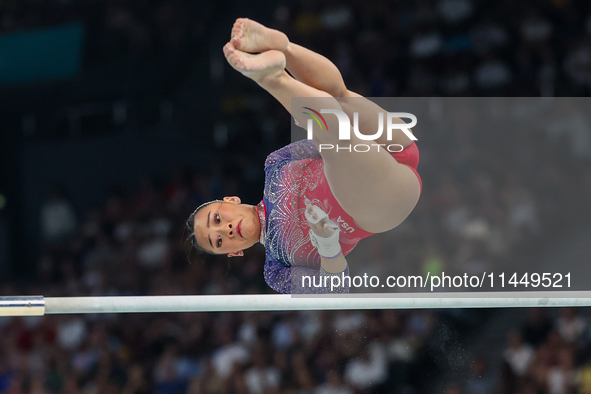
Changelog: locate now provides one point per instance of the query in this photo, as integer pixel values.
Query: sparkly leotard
(292, 174)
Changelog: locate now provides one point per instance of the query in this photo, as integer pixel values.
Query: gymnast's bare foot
(251, 36)
(259, 67)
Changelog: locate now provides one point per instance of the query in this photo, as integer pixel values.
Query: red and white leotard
(292, 175)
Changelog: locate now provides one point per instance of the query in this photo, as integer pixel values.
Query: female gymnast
(316, 205)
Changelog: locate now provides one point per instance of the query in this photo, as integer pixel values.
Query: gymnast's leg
(314, 70)
(378, 192)
(305, 65)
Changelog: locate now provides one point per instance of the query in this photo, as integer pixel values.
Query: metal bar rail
(39, 305)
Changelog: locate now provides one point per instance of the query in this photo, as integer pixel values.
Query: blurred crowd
(116, 30)
(486, 196)
(451, 47)
(549, 355)
(418, 48)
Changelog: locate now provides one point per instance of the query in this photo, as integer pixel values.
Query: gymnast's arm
(296, 279)
(336, 265)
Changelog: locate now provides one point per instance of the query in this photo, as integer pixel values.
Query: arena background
(120, 117)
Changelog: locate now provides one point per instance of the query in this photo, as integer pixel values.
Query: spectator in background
(369, 369)
(518, 355)
(230, 353)
(58, 219)
(583, 379)
(577, 64)
(570, 325)
(562, 377)
(261, 377)
(166, 372)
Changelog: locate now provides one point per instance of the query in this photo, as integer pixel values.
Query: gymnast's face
(227, 227)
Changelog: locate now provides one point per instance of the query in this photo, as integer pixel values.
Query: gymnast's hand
(324, 235)
(319, 221)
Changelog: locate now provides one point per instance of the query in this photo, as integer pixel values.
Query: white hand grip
(316, 215)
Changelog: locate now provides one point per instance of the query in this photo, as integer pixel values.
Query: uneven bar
(37, 305)
(22, 306)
